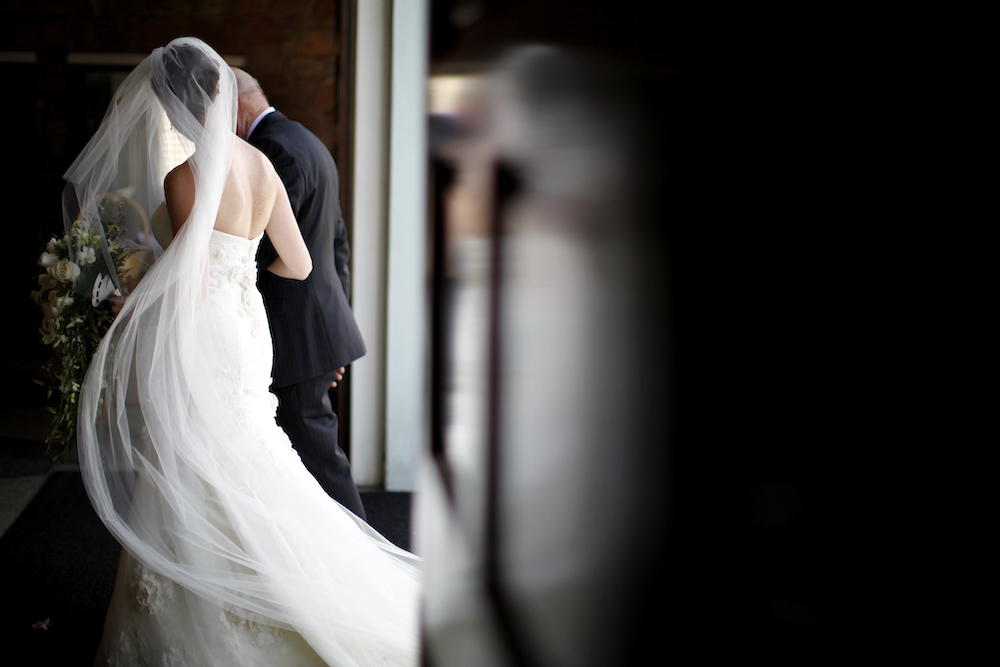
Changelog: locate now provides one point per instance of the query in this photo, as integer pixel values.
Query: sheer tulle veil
(159, 453)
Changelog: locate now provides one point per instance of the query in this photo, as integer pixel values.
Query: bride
(232, 553)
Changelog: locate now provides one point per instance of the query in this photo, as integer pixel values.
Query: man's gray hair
(247, 86)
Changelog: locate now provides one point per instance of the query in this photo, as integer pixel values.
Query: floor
(24, 466)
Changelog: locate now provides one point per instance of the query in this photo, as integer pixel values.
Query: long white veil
(161, 450)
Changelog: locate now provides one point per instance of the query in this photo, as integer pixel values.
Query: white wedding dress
(233, 555)
(156, 622)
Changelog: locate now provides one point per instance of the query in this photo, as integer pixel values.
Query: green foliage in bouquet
(75, 312)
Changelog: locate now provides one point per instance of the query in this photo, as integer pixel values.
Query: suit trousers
(306, 414)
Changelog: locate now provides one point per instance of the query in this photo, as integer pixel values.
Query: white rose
(47, 260)
(65, 271)
(52, 245)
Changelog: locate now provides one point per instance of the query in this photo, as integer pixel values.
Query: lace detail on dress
(128, 654)
(236, 267)
(175, 657)
(152, 591)
(152, 602)
(240, 396)
(246, 631)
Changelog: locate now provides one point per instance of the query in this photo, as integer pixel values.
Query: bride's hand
(340, 376)
(118, 301)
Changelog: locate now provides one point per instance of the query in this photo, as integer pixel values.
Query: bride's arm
(178, 190)
(293, 260)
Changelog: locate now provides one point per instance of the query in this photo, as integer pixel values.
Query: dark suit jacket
(311, 321)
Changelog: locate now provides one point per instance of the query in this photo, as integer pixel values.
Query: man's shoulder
(276, 126)
(290, 135)
(271, 129)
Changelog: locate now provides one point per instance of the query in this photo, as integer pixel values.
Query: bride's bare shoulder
(249, 153)
(181, 174)
(257, 165)
(179, 183)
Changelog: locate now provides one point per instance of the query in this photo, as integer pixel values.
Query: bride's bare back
(253, 200)
(250, 193)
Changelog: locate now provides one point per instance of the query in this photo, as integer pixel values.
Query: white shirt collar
(253, 125)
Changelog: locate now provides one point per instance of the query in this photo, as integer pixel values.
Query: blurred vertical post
(653, 461)
(541, 505)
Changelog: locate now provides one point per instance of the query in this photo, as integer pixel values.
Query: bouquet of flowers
(73, 293)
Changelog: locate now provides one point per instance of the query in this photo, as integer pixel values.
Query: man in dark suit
(315, 335)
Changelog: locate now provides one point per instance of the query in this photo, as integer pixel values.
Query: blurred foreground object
(542, 506)
(643, 334)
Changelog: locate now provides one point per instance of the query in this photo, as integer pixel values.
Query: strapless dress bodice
(232, 260)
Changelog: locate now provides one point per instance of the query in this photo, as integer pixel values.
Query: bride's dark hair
(192, 76)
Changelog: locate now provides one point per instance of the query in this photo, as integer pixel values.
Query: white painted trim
(368, 249)
(406, 329)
